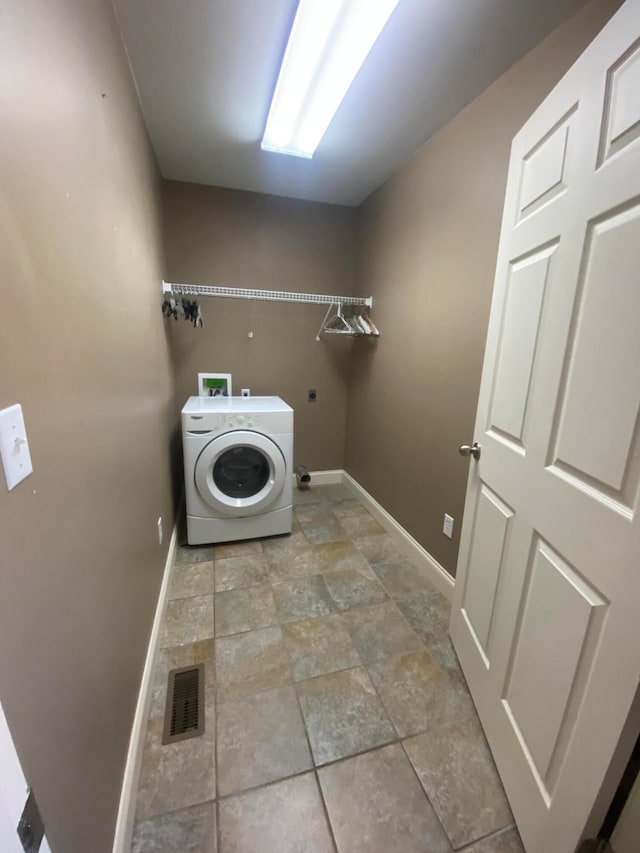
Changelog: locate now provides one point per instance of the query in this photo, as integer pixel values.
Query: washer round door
(240, 473)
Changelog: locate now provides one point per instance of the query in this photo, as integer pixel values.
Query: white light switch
(447, 527)
(14, 446)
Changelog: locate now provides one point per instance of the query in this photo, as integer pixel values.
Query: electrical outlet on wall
(245, 392)
(160, 530)
(447, 527)
(313, 395)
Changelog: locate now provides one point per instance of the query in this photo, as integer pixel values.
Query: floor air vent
(184, 714)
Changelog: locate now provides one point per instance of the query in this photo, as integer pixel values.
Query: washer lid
(233, 405)
(240, 473)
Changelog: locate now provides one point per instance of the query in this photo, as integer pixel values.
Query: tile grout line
(189, 597)
(175, 645)
(467, 844)
(325, 808)
(217, 836)
(396, 739)
(488, 837)
(400, 741)
(313, 545)
(369, 563)
(312, 756)
(218, 842)
(340, 611)
(422, 788)
(180, 809)
(272, 583)
(312, 769)
(295, 682)
(253, 788)
(315, 769)
(218, 827)
(195, 594)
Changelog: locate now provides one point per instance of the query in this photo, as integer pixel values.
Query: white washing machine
(238, 466)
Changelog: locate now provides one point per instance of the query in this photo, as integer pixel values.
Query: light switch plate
(14, 446)
(447, 527)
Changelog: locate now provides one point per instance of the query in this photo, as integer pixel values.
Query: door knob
(470, 450)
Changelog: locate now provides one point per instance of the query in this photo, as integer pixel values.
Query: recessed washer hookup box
(214, 385)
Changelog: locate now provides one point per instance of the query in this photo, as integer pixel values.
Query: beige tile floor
(337, 716)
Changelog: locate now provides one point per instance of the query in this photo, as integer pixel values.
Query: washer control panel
(202, 423)
(239, 421)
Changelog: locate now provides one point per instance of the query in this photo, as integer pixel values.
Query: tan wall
(83, 349)
(427, 250)
(242, 239)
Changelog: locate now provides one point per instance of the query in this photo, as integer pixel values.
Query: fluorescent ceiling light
(329, 41)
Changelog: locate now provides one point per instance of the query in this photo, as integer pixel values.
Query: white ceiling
(206, 70)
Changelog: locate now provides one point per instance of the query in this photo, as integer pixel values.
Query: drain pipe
(303, 476)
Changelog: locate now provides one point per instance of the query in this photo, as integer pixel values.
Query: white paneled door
(546, 616)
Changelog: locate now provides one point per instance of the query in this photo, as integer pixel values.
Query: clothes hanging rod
(264, 295)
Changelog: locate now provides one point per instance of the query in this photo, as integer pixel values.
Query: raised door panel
(544, 169)
(524, 298)
(488, 539)
(596, 440)
(622, 111)
(555, 642)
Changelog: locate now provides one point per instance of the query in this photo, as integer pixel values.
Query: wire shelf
(263, 295)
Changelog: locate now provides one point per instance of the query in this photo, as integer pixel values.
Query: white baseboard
(438, 576)
(324, 478)
(126, 808)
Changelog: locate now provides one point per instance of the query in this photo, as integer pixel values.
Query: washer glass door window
(240, 473)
